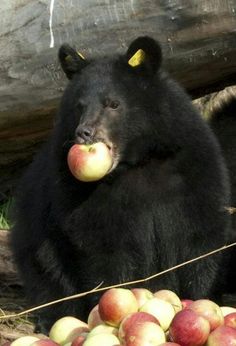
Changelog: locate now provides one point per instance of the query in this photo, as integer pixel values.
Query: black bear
(163, 202)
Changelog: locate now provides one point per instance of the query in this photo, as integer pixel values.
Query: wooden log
(8, 275)
(197, 36)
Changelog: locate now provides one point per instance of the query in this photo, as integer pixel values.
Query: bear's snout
(85, 134)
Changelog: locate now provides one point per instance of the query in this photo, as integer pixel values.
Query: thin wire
(98, 288)
(50, 24)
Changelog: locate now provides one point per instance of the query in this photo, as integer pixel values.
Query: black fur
(163, 202)
(223, 123)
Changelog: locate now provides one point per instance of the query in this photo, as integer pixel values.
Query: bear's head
(118, 100)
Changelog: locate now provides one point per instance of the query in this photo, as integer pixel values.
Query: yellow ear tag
(69, 56)
(137, 59)
(82, 57)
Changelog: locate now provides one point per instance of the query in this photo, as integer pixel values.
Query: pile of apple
(138, 317)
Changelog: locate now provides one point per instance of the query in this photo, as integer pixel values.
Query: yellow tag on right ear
(137, 59)
(82, 57)
(69, 57)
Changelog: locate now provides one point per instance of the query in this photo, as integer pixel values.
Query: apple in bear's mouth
(89, 162)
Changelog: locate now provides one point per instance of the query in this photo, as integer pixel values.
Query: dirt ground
(12, 301)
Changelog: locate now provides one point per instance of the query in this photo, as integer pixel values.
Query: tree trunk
(8, 276)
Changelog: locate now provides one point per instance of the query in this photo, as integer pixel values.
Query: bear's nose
(84, 133)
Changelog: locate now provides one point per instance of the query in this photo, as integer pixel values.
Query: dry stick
(98, 288)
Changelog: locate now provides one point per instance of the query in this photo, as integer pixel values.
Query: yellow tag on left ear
(82, 57)
(137, 59)
(68, 58)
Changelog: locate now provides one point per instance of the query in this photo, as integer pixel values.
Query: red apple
(169, 343)
(189, 329)
(185, 303)
(115, 304)
(103, 328)
(44, 342)
(142, 295)
(133, 319)
(94, 318)
(67, 329)
(89, 162)
(145, 333)
(222, 336)
(103, 339)
(79, 340)
(24, 341)
(171, 297)
(227, 310)
(209, 310)
(230, 320)
(161, 309)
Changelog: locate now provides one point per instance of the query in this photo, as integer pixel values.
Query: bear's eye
(114, 104)
(79, 106)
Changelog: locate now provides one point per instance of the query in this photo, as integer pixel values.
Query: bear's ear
(144, 53)
(70, 60)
